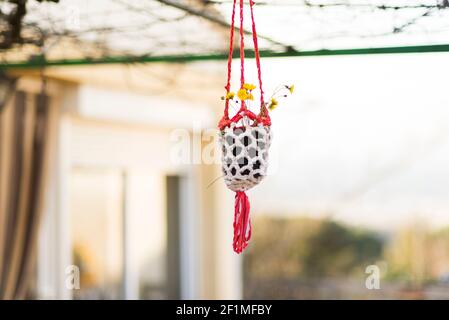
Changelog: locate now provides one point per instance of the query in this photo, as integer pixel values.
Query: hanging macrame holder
(245, 139)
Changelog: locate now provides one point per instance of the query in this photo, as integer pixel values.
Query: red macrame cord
(242, 221)
(242, 52)
(231, 49)
(263, 117)
(263, 110)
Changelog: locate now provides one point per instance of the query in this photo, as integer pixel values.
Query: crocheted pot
(244, 155)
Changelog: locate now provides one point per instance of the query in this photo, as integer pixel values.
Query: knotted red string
(242, 222)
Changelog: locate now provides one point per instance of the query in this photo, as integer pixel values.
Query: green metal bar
(40, 62)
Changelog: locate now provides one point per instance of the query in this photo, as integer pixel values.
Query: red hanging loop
(242, 58)
(263, 117)
(242, 221)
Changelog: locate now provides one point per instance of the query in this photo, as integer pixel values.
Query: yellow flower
(250, 96)
(242, 94)
(291, 88)
(249, 86)
(230, 95)
(273, 104)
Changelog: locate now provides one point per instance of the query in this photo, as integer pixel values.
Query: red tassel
(242, 222)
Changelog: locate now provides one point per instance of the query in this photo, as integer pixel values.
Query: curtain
(25, 124)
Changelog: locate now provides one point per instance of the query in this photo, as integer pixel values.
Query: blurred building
(102, 169)
(138, 223)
